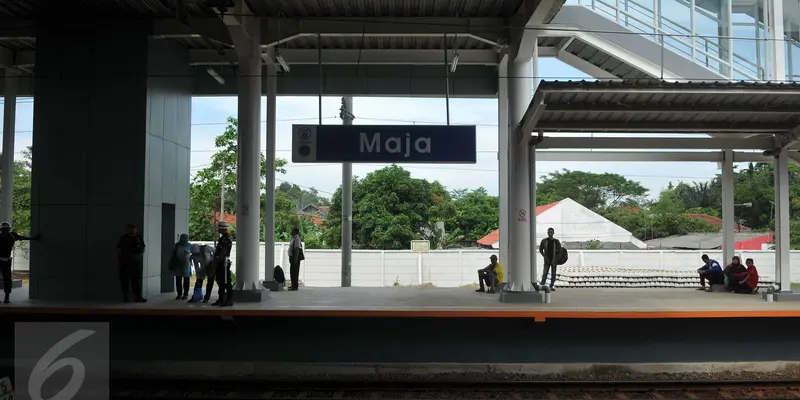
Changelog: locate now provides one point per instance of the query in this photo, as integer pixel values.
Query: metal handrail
(681, 35)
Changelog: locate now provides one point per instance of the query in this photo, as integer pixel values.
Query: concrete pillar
(347, 201)
(116, 152)
(520, 93)
(776, 40)
(7, 159)
(503, 162)
(269, 197)
(775, 215)
(249, 159)
(533, 248)
(728, 211)
(782, 214)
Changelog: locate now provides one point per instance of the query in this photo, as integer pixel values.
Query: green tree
(390, 209)
(301, 197)
(476, 214)
(665, 217)
(204, 189)
(593, 191)
(21, 217)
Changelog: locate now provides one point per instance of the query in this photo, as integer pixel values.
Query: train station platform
(381, 326)
(425, 302)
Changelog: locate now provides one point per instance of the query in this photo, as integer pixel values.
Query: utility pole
(221, 199)
(346, 114)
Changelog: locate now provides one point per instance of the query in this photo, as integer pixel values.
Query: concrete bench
(15, 283)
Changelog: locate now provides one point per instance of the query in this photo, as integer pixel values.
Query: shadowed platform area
(441, 302)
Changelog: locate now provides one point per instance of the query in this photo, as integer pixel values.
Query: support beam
(783, 266)
(596, 143)
(776, 40)
(269, 198)
(530, 14)
(247, 285)
(346, 113)
(605, 108)
(354, 56)
(281, 30)
(520, 84)
(728, 211)
(503, 161)
(644, 156)
(664, 127)
(7, 157)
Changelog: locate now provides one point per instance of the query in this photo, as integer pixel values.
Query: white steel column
(269, 198)
(7, 159)
(347, 201)
(249, 157)
(783, 266)
(533, 247)
(777, 42)
(503, 161)
(520, 93)
(728, 212)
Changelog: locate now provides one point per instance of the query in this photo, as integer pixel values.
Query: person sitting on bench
(491, 275)
(711, 271)
(731, 270)
(746, 282)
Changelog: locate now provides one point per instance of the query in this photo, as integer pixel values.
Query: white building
(575, 225)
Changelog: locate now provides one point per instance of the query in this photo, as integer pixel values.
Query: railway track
(516, 390)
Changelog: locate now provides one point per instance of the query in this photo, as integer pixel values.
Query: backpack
(174, 261)
(562, 257)
(279, 277)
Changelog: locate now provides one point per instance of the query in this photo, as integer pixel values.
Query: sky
(209, 115)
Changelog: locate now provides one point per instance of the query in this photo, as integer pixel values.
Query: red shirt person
(748, 281)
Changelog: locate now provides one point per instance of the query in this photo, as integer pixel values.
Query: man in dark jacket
(549, 248)
(222, 259)
(131, 252)
(8, 239)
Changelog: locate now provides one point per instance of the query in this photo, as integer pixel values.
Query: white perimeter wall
(453, 268)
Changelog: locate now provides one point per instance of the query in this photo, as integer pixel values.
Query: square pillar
(503, 162)
(9, 134)
(776, 43)
(782, 223)
(728, 210)
(115, 151)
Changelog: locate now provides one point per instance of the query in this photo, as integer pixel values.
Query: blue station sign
(455, 144)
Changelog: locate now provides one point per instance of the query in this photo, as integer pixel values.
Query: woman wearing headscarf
(181, 266)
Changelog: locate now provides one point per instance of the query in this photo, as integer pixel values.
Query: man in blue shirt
(711, 271)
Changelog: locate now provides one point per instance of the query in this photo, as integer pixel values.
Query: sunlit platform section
(440, 303)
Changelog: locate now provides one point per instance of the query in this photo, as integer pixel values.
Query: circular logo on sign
(522, 213)
(245, 207)
(305, 133)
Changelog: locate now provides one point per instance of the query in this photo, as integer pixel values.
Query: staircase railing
(717, 53)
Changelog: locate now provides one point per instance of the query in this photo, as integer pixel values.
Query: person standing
(131, 251)
(203, 260)
(223, 267)
(8, 239)
(181, 266)
(295, 256)
(549, 248)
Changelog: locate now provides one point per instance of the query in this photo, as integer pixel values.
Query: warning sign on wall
(522, 215)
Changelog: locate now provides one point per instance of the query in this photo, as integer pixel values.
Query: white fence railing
(453, 268)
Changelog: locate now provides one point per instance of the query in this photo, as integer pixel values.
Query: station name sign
(455, 144)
